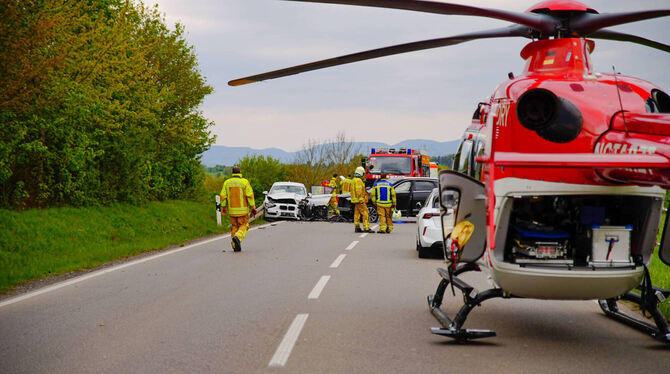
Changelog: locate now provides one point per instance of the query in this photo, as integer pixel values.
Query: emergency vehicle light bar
(402, 151)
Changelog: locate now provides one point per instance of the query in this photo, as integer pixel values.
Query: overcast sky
(428, 94)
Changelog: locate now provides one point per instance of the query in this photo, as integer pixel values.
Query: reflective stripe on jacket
(358, 193)
(237, 196)
(383, 193)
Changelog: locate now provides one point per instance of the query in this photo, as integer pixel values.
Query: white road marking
(316, 291)
(286, 346)
(337, 261)
(374, 227)
(351, 246)
(111, 269)
(363, 235)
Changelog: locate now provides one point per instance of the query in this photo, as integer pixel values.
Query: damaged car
(282, 200)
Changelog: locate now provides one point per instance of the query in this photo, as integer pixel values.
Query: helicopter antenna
(618, 92)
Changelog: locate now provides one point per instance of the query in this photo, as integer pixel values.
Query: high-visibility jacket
(346, 185)
(333, 185)
(383, 193)
(358, 192)
(237, 196)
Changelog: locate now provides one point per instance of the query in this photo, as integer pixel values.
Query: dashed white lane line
(114, 268)
(316, 291)
(286, 346)
(337, 261)
(351, 246)
(373, 228)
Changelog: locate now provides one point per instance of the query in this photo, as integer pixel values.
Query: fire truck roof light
(409, 151)
(373, 151)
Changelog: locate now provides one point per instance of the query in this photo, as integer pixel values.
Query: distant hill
(224, 155)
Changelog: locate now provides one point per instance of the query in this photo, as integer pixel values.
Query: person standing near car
(332, 203)
(237, 199)
(359, 198)
(383, 196)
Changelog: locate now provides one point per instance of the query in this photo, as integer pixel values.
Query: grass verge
(48, 242)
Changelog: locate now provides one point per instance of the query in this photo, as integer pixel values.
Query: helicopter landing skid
(471, 298)
(659, 330)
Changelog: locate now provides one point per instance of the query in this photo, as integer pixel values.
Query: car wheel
(424, 252)
(372, 214)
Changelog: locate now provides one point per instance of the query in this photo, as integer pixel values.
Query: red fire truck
(399, 162)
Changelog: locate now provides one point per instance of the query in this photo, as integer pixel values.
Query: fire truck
(399, 162)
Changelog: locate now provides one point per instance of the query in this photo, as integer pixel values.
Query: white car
(429, 228)
(282, 200)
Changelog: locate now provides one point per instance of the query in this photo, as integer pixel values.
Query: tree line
(316, 162)
(98, 104)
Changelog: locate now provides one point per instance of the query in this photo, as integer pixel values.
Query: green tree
(99, 103)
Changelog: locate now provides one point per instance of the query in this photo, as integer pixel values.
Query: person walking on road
(383, 196)
(332, 203)
(237, 199)
(359, 197)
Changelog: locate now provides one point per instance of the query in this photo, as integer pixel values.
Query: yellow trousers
(361, 209)
(239, 226)
(385, 218)
(332, 204)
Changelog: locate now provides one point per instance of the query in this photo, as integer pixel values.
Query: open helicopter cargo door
(462, 199)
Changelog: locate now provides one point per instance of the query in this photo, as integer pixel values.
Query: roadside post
(218, 210)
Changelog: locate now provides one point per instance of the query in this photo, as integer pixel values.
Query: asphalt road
(301, 298)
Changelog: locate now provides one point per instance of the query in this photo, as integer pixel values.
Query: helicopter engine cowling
(553, 118)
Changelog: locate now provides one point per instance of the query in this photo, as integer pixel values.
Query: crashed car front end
(281, 206)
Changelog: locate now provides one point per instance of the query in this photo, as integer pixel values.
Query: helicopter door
(463, 198)
(664, 249)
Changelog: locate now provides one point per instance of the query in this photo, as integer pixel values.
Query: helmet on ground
(396, 215)
(359, 172)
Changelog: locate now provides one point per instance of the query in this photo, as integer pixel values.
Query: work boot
(381, 231)
(237, 246)
(367, 230)
(358, 229)
(388, 231)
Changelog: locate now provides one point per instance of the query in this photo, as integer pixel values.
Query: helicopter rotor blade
(618, 36)
(587, 23)
(511, 31)
(539, 22)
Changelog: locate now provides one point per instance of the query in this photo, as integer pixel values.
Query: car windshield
(390, 165)
(283, 188)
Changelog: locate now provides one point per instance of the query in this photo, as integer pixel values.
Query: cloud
(258, 127)
(387, 99)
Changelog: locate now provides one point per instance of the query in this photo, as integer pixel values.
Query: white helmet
(396, 215)
(359, 172)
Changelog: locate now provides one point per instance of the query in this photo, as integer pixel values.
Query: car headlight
(269, 202)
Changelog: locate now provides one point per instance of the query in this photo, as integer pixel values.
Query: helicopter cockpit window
(477, 172)
(662, 101)
(464, 157)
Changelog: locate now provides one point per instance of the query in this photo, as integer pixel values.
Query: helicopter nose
(553, 118)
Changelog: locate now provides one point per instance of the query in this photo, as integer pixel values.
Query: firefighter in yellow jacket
(237, 199)
(359, 197)
(332, 203)
(383, 196)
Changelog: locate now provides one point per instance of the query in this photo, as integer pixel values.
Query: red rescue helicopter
(558, 187)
